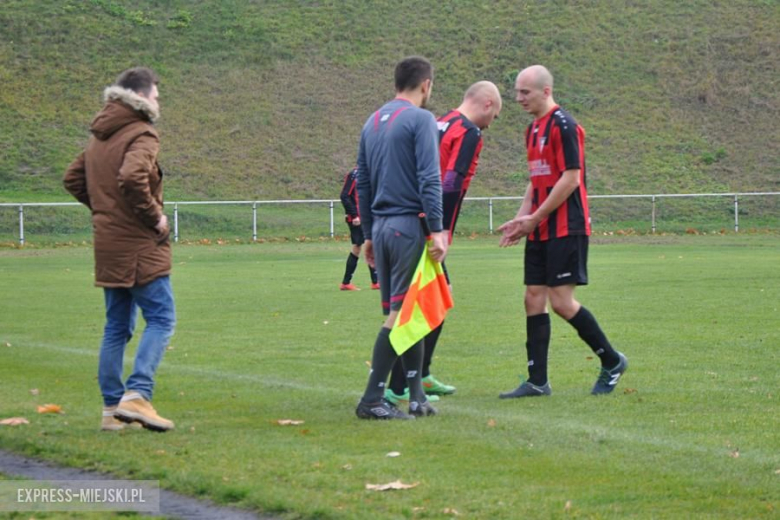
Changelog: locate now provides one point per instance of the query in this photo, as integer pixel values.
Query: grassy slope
(266, 99)
(704, 389)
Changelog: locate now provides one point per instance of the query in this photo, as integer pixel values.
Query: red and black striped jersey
(556, 143)
(460, 142)
(349, 195)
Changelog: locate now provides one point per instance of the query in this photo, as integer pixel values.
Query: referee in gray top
(398, 178)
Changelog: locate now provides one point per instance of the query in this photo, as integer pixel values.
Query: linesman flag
(425, 304)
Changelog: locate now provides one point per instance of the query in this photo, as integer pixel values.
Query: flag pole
(424, 224)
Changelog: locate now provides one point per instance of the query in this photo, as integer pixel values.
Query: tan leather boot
(111, 424)
(133, 407)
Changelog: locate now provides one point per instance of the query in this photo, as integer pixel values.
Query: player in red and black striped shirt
(349, 199)
(460, 142)
(554, 218)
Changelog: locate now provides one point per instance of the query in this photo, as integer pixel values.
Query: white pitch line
(502, 411)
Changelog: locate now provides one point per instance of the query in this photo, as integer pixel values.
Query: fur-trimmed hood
(122, 107)
(134, 100)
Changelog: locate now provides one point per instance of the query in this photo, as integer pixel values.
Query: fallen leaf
(348, 467)
(368, 364)
(734, 454)
(491, 423)
(170, 347)
(777, 472)
(192, 429)
(325, 322)
(391, 485)
(450, 511)
(34, 391)
(160, 452)
(50, 408)
(7, 344)
(289, 422)
(567, 506)
(393, 454)
(629, 391)
(16, 421)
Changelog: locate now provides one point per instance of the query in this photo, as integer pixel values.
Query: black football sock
(352, 262)
(373, 273)
(537, 346)
(590, 332)
(381, 363)
(413, 359)
(398, 378)
(430, 345)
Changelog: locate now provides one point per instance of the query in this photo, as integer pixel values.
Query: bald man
(460, 142)
(555, 221)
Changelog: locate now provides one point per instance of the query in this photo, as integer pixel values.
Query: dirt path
(171, 504)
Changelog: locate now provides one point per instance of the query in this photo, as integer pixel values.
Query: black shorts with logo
(356, 235)
(558, 261)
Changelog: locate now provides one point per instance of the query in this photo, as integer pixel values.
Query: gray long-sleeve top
(398, 165)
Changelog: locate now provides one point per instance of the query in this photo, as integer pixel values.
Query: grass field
(264, 334)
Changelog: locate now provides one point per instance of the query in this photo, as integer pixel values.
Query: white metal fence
(331, 205)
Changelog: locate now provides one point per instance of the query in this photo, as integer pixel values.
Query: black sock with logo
(381, 363)
(413, 359)
(590, 332)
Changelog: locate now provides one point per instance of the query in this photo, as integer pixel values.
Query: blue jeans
(156, 302)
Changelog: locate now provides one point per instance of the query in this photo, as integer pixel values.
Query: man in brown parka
(117, 177)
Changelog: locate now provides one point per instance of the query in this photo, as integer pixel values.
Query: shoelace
(604, 376)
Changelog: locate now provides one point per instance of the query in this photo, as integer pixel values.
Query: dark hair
(411, 72)
(138, 79)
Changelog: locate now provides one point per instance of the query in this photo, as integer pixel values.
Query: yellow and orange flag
(425, 304)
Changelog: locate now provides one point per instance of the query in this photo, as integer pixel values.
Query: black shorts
(560, 261)
(356, 235)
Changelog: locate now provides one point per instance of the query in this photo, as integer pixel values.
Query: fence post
(176, 222)
(254, 221)
(21, 224)
(331, 219)
(653, 215)
(490, 215)
(736, 213)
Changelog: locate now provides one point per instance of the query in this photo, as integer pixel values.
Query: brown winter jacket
(118, 178)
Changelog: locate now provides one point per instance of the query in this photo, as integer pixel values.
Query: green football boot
(433, 386)
(395, 399)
